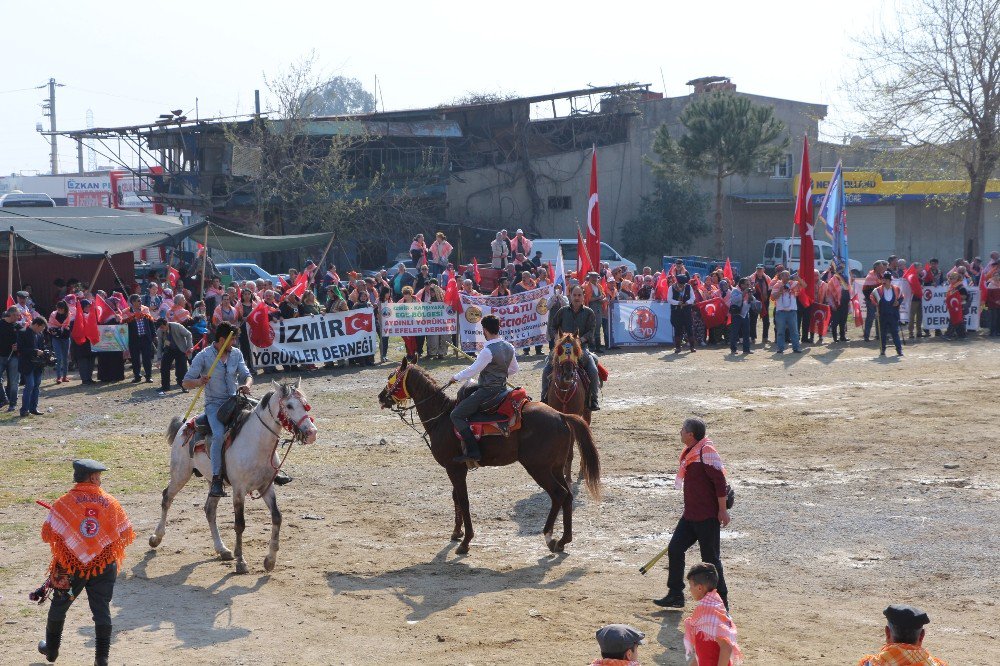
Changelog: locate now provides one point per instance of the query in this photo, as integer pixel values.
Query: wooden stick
(93, 280)
(204, 265)
(209, 375)
(10, 264)
(470, 357)
(649, 565)
(319, 264)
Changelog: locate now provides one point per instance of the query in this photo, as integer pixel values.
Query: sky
(129, 62)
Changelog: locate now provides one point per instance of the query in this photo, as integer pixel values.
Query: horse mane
(426, 377)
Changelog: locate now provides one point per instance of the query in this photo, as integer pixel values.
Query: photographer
(31, 361)
(9, 328)
(784, 294)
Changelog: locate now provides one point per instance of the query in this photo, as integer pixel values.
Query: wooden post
(93, 280)
(204, 264)
(319, 265)
(10, 264)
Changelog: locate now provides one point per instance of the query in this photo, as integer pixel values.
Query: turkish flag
(299, 287)
(804, 221)
(593, 217)
(173, 275)
(100, 309)
(954, 303)
(475, 272)
(583, 265)
(819, 319)
(259, 326)
(856, 307)
(79, 330)
(282, 282)
(727, 271)
(359, 322)
(451, 296)
(713, 312)
(10, 301)
(662, 288)
(993, 298)
(90, 325)
(912, 277)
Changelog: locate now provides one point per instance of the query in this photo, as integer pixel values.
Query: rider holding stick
(580, 320)
(220, 383)
(495, 362)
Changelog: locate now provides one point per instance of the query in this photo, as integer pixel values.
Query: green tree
(725, 134)
(339, 96)
(669, 220)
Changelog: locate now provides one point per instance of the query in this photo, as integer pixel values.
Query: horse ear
(277, 386)
(298, 380)
(404, 363)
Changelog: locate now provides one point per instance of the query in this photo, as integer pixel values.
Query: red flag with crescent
(819, 319)
(954, 303)
(475, 272)
(359, 322)
(259, 326)
(713, 312)
(593, 217)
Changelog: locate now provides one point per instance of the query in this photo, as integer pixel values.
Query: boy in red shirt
(709, 634)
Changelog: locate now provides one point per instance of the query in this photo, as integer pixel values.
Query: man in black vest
(681, 299)
(494, 364)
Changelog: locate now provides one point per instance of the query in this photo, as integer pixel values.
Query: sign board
(319, 339)
(523, 318)
(641, 324)
(418, 319)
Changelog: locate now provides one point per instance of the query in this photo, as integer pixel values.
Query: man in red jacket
(702, 477)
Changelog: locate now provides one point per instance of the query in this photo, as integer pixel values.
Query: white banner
(904, 306)
(318, 339)
(418, 319)
(936, 312)
(523, 318)
(640, 323)
(114, 338)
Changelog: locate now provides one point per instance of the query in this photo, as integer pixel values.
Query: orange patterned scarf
(901, 654)
(711, 619)
(87, 529)
(703, 451)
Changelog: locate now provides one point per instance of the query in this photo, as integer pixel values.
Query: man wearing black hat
(904, 636)
(681, 300)
(619, 645)
(88, 531)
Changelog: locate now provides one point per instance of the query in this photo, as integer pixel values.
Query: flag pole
(93, 280)
(10, 263)
(211, 369)
(204, 266)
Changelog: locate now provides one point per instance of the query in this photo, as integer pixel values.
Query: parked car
(549, 248)
(785, 251)
(245, 271)
(26, 200)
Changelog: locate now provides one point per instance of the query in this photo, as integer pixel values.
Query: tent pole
(10, 264)
(204, 264)
(319, 264)
(93, 280)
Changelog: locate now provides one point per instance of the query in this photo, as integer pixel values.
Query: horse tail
(175, 426)
(590, 461)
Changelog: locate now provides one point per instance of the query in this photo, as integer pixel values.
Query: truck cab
(785, 251)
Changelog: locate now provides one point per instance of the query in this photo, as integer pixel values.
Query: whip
(209, 376)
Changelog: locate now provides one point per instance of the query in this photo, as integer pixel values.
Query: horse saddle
(501, 415)
(232, 413)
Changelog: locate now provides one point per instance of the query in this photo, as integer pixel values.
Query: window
(560, 203)
(827, 252)
(793, 252)
(778, 249)
(783, 169)
(769, 250)
(608, 254)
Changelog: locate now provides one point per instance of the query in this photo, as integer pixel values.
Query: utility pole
(50, 110)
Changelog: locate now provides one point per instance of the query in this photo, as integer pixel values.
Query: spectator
(60, 322)
(681, 297)
(741, 303)
(423, 275)
(872, 280)
(595, 299)
(519, 244)
(956, 285)
(385, 296)
(904, 638)
(646, 290)
(365, 304)
(227, 311)
(619, 644)
(10, 326)
(502, 288)
(31, 363)
(177, 312)
(140, 338)
(886, 300)
(418, 251)
(709, 634)
(557, 301)
(409, 341)
(174, 343)
(838, 297)
(309, 306)
(784, 295)
(498, 250)
(81, 351)
(762, 292)
(702, 477)
(400, 280)
(440, 250)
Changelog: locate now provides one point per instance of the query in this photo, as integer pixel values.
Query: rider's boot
(53, 638)
(471, 447)
(281, 478)
(594, 407)
(103, 644)
(217, 490)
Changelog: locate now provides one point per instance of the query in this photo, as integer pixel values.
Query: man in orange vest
(88, 531)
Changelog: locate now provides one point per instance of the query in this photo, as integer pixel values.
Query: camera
(47, 358)
(787, 286)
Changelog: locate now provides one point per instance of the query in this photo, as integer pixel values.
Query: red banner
(953, 301)
(713, 312)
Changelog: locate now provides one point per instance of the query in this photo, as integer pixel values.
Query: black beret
(87, 466)
(905, 617)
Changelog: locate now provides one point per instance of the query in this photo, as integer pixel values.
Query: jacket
(28, 343)
(180, 338)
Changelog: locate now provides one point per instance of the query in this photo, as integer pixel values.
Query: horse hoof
(269, 563)
(225, 555)
(553, 545)
(456, 536)
(560, 547)
(154, 541)
(462, 550)
(242, 568)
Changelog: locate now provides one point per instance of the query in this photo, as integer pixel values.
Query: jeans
(32, 382)
(890, 326)
(61, 348)
(706, 534)
(384, 347)
(8, 370)
(786, 321)
(870, 318)
(916, 316)
(218, 436)
(739, 329)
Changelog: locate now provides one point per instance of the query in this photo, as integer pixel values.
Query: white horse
(251, 464)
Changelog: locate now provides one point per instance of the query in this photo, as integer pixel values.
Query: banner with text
(418, 319)
(319, 339)
(904, 306)
(640, 324)
(936, 310)
(523, 318)
(114, 338)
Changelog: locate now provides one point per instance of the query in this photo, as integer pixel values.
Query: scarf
(87, 529)
(711, 619)
(702, 451)
(901, 654)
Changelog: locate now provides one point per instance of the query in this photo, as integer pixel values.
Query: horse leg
(567, 511)
(456, 535)
(180, 473)
(551, 481)
(211, 509)
(460, 493)
(241, 523)
(568, 468)
(271, 500)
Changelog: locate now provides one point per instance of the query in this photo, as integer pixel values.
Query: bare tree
(932, 81)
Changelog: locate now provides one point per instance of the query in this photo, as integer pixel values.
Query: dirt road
(861, 482)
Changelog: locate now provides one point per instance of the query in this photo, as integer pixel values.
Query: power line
(133, 99)
(4, 92)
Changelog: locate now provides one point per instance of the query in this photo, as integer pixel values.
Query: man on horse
(495, 362)
(231, 376)
(575, 318)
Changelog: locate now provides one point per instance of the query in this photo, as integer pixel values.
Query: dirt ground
(861, 482)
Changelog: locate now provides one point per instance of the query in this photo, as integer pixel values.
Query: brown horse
(566, 391)
(541, 445)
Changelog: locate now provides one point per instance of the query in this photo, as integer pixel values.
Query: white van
(549, 248)
(785, 251)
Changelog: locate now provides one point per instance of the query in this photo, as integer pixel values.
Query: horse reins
(559, 392)
(398, 408)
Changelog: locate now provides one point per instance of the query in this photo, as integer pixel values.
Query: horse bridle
(285, 422)
(398, 393)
